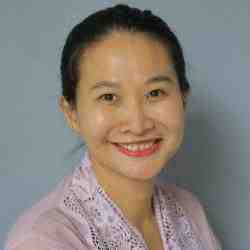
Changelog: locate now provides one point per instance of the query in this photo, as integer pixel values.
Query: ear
(70, 114)
(184, 98)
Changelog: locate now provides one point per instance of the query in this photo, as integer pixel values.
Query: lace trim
(108, 229)
(177, 228)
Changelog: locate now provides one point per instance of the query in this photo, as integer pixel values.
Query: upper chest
(152, 237)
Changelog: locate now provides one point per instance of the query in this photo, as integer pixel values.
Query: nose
(136, 119)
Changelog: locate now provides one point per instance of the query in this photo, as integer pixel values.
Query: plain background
(214, 159)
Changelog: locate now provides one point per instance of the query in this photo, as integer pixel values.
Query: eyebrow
(159, 78)
(111, 84)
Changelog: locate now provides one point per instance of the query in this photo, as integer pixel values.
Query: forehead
(123, 56)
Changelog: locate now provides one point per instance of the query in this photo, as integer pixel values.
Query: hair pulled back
(96, 26)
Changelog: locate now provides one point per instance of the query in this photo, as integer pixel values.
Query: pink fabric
(78, 214)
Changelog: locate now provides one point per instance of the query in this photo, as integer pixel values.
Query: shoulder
(195, 212)
(187, 199)
(52, 230)
(44, 225)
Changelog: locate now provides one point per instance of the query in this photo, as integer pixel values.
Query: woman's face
(129, 108)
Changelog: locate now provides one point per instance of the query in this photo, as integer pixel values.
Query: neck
(133, 197)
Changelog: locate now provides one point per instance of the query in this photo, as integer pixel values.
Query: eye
(108, 97)
(156, 93)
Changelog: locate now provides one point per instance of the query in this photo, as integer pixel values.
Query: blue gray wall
(214, 159)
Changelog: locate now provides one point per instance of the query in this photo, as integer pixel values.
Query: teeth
(137, 147)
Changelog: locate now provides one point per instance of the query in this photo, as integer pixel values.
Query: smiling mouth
(139, 149)
(139, 141)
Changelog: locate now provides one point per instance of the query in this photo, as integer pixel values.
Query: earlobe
(70, 114)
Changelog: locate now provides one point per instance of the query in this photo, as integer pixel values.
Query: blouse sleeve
(37, 242)
(50, 232)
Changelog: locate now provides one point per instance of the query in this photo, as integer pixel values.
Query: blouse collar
(85, 200)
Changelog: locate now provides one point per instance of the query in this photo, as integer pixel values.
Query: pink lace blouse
(78, 214)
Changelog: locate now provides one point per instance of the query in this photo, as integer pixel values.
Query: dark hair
(103, 22)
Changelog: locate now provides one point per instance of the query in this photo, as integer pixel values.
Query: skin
(133, 108)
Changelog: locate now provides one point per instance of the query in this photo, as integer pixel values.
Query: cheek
(95, 125)
(170, 114)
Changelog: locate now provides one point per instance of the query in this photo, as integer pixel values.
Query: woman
(124, 91)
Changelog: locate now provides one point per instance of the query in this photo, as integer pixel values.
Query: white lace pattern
(107, 227)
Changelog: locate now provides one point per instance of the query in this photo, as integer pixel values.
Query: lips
(139, 149)
(139, 146)
(139, 141)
